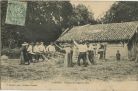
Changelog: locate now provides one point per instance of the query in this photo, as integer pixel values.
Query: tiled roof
(101, 32)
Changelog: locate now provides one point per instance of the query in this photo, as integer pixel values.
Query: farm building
(116, 36)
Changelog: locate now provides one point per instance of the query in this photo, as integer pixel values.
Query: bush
(11, 53)
(5, 51)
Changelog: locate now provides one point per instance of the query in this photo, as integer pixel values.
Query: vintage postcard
(74, 45)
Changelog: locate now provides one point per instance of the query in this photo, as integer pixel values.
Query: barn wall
(132, 51)
(132, 47)
(111, 50)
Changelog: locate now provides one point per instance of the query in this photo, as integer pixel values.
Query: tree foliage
(81, 16)
(10, 38)
(49, 12)
(45, 21)
(122, 11)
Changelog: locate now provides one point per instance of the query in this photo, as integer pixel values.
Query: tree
(48, 19)
(121, 12)
(45, 21)
(9, 37)
(81, 16)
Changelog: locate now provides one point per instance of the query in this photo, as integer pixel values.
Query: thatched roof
(101, 32)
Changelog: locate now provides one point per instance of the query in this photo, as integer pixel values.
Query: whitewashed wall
(111, 51)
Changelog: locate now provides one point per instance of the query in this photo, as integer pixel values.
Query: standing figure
(51, 50)
(30, 51)
(91, 54)
(136, 53)
(97, 51)
(101, 52)
(37, 52)
(82, 48)
(75, 54)
(118, 55)
(68, 55)
(24, 54)
(42, 51)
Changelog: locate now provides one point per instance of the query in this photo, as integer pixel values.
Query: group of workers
(33, 52)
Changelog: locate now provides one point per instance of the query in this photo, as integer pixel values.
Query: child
(118, 55)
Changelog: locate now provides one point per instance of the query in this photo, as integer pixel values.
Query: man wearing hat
(82, 48)
(91, 53)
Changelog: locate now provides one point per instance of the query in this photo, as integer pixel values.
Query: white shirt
(91, 48)
(30, 49)
(67, 49)
(82, 48)
(98, 46)
(42, 48)
(51, 48)
(36, 48)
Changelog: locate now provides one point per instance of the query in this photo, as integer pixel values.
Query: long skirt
(24, 58)
(75, 56)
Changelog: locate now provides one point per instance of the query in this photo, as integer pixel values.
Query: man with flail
(37, 52)
(42, 50)
(91, 53)
(82, 48)
(51, 50)
(30, 51)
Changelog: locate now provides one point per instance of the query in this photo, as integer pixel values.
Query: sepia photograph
(69, 45)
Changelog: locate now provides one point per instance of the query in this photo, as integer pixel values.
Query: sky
(97, 7)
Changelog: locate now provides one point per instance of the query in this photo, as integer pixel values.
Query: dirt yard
(53, 70)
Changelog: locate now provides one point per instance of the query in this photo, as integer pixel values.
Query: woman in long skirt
(24, 54)
(75, 54)
(22, 58)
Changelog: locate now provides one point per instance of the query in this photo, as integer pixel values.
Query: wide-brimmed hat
(37, 43)
(41, 42)
(32, 43)
(25, 44)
